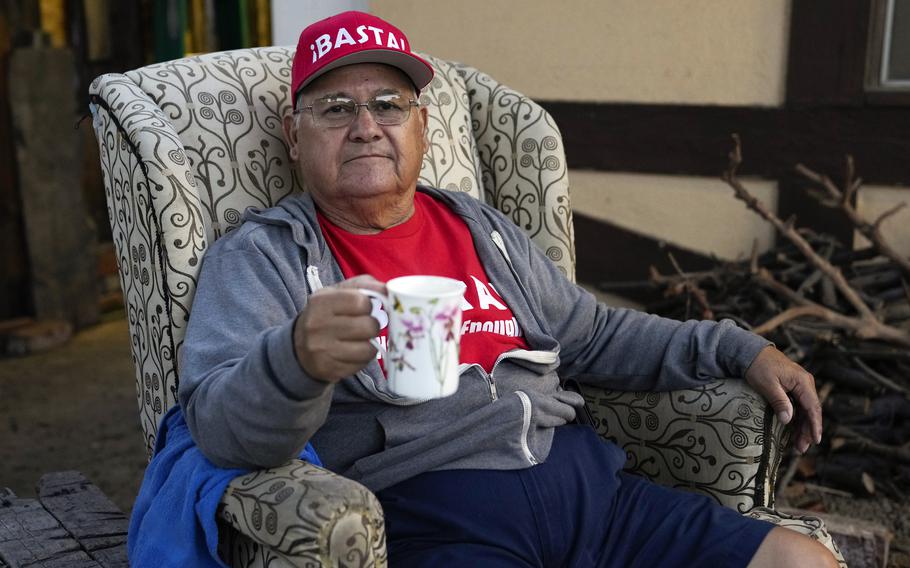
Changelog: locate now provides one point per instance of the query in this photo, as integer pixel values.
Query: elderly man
(496, 474)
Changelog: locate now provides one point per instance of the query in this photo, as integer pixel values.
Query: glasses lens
(389, 109)
(334, 112)
(386, 109)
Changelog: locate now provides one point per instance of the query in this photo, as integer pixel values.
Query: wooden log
(897, 311)
(856, 481)
(30, 536)
(898, 454)
(59, 235)
(14, 285)
(846, 376)
(84, 511)
(887, 276)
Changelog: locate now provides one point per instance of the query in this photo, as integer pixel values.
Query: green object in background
(232, 24)
(169, 29)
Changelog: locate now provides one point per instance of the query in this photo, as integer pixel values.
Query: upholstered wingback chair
(187, 145)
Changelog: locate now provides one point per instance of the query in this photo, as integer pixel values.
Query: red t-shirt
(434, 241)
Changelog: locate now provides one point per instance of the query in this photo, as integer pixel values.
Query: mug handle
(385, 302)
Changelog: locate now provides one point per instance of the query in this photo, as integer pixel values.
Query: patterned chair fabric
(186, 146)
(720, 439)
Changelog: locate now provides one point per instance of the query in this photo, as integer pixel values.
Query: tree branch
(844, 201)
(865, 325)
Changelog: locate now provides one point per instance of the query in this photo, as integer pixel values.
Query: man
(277, 352)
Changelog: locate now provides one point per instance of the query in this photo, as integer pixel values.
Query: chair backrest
(186, 146)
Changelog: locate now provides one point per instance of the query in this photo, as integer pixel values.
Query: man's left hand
(777, 378)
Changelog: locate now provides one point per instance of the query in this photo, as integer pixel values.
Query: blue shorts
(577, 509)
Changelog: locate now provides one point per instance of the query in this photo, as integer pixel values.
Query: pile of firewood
(844, 314)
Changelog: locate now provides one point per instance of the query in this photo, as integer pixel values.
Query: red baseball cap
(349, 38)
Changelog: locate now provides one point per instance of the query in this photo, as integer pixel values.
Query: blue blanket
(173, 520)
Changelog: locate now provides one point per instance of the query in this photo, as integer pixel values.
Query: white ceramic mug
(424, 335)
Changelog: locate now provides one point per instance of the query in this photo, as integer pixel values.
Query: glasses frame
(357, 105)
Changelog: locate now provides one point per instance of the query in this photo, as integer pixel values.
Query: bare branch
(691, 287)
(821, 180)
(787, 230)
(865, 325)
(869, 230)
(878, 222)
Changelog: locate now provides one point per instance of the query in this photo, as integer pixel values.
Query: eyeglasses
(335, 112)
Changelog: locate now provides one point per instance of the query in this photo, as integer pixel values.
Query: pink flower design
(447, 317)
(414, 326)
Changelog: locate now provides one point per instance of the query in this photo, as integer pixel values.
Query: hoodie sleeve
(627, 349)
(247, 401)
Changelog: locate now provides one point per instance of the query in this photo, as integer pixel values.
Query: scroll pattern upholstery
(277, 512)
(523, 165)
(720, 439)
(187, 145)
(452, 162)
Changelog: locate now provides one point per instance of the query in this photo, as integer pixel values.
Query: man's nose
(364, 126)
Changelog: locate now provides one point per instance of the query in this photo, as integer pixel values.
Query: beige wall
(730, 52)
(872, 201)
(696, 213)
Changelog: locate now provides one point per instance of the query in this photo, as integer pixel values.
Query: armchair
(187, 145)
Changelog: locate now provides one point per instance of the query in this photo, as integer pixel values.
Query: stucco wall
(730, 52)
(698, 213)
(872, 201)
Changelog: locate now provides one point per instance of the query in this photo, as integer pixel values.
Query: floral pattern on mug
(436, 327)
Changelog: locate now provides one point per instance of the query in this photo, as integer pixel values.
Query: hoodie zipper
(312, 278)
(526, 426)
(501, 245)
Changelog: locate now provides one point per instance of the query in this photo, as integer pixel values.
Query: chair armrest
(308, 515)
(720, 439)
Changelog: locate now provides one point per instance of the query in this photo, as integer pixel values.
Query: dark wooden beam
(695, 140)
(826, 61)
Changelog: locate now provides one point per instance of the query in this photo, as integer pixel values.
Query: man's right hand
(332, 333)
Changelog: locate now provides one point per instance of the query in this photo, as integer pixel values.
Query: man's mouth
(366, 156)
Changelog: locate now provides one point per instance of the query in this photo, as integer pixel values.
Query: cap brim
(419, 71)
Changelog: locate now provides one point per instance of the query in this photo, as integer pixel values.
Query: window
(888, 61)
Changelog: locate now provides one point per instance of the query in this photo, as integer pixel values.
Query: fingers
(332, 332)
(340, 301)
(806, 396)
(363, 281)
(779, 401)
(804, 436)
(777, 378)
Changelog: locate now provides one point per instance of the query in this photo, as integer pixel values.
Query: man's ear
(289, 125)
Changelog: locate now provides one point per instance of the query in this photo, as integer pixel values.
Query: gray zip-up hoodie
(249, 404)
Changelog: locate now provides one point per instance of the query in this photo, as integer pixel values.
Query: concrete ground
(74, 407)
